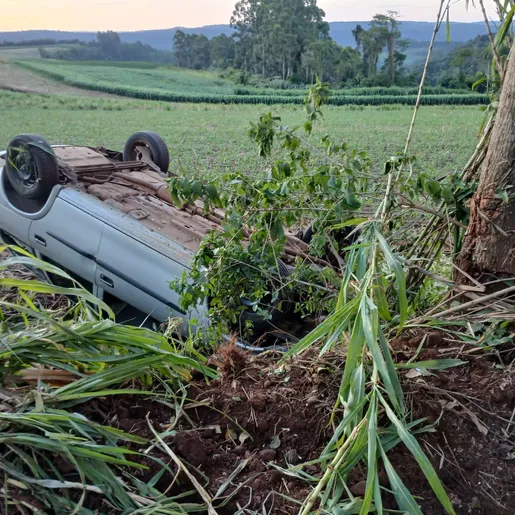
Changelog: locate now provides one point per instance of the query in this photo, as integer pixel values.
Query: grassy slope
(167, 79)
(28, 52)
(15, 78)
(211, 139)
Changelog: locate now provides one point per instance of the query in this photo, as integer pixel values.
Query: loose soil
(261, 417)
(257, 416)
(473, 444)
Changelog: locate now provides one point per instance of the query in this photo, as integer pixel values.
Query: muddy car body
(111, 222)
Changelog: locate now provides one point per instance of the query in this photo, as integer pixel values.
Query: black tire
(343, 236)
(155, 143)
(31, 166)
(258, 322)
(308, 235)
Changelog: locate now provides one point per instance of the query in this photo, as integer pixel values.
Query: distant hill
(341, 32)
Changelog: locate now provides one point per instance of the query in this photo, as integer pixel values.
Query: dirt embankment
(258, 418)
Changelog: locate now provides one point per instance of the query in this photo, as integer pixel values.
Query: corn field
(375, 97)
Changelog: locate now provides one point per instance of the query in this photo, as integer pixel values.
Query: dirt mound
(256, 417)
(238, 431)
(472, 408)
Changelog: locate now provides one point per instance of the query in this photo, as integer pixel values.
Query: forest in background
(287, 44)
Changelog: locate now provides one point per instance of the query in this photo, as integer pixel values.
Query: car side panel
(12, 221)
(70, 237)
(14, 224)
(140, 276)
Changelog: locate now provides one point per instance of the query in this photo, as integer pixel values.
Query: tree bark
(391, 59)
(489, 247)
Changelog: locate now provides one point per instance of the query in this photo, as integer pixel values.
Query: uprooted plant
(362, 286)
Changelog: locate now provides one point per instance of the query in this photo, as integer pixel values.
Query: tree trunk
(391, 60)
(489, 247)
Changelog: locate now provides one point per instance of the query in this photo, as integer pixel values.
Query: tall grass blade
(396, 267)
(405, 501)
(370, 321)
(411, 443)
(372, 455)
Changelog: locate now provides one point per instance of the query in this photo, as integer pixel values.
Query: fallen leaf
(244, 436)
(275, 443)
(480, 426)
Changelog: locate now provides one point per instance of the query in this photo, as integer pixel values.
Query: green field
(142, 75)
(207, 140)
(172, 84)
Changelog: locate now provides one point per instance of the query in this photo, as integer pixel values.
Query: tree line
(289, 39)
(109, 47)
(465, 67)
(38, 42)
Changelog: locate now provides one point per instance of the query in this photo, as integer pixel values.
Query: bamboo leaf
(392, 372)
(343, 426)
(405, 500)
(434, 364)
(400, 276)
(350, 223)
(40, 287)
(354, 351)
(331, 326)
(505, 28)
(411, 443)
(372, 456)
(370, 321)
(379, 296)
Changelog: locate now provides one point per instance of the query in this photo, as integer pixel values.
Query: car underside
(109, 219)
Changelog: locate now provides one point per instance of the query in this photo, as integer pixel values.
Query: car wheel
(31, 166)
(346, 237)
(147, 146)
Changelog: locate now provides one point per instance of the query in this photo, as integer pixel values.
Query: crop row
(338, 99)
(393, 91)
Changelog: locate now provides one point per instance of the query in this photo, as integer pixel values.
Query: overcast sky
(155, 14)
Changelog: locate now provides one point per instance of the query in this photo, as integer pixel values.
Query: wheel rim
(141, 152)
(24, 164)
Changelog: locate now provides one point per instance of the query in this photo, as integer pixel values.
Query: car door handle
(107, 280)
(40, 240)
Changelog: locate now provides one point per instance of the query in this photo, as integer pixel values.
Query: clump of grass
(53, 459)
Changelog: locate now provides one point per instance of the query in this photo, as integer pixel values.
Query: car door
(135, 272)
(70, 237)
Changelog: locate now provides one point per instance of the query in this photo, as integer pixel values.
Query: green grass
(167, 79)
(208, 140)
(172, 84)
